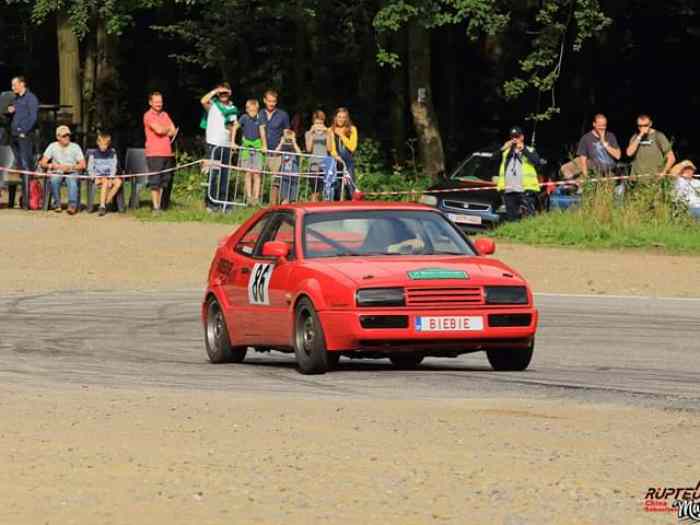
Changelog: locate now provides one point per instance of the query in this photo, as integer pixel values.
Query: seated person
(687, 188)
(102, 165)
(62, 158)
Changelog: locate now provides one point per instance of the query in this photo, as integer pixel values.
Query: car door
(277, 312)
(241, 261)
(259, 286)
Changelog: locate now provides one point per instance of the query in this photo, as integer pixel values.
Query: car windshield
(478, 167)
(381, 232)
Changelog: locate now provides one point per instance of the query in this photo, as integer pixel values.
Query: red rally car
(364, 279)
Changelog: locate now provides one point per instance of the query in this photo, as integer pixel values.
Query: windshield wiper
(439, 252)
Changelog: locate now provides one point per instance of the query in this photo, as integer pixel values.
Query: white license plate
(449, 324)
(464, 219)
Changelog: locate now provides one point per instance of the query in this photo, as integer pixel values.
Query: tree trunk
(107, 79)
(69, 68)
(89, 72)
(425, 121)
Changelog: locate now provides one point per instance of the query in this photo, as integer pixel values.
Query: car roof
(320, 207)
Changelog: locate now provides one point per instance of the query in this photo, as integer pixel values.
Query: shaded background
(643, 62)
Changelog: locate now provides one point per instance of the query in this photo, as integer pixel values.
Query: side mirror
(276, 249)
(485, 246)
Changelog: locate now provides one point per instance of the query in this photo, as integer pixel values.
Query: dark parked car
(474, 210)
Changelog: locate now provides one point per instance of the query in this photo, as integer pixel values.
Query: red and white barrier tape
(42, 174)
(488, 186)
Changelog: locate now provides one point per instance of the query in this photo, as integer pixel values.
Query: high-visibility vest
(530, 182)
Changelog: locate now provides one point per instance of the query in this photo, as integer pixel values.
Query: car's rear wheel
(407, 361)
(510, 360)
(216, 338)
(332, 358)
(310, 341)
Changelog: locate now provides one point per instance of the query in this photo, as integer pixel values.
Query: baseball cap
(62, 130)
(515, 131)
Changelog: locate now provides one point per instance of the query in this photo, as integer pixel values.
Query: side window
(280, 228)
(249, 241)
(284, 231)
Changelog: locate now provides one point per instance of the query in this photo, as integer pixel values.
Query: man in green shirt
(650, 150)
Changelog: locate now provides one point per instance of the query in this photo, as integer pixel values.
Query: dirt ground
(112, 457)
(76, 455)
(42, 252)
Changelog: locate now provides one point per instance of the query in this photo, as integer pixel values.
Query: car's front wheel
(309, 340)
(406, 361)
(510, 360)
(216, 338)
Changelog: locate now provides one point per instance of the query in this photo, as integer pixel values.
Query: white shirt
(688, 191)
(217, 132)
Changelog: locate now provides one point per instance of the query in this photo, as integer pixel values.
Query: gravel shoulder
(115, 457)
(45, 252)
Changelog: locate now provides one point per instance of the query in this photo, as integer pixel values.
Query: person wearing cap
(64, 159)
(517, 177)
(686, 188)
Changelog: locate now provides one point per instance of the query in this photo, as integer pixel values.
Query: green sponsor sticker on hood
(437, 273)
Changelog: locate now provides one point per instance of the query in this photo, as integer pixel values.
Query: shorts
(160, 180)
(253, 161)
(274, 164)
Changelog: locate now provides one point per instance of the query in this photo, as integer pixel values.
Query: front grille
(472, 206)
(384, 321)
(504, 320)
(453, 297)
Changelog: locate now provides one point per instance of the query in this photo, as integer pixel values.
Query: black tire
(309, 340)
(216, 338)
(406, 361)
(332, 358)
(510, 360)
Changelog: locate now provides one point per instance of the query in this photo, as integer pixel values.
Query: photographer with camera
(650, 150)
(517, 177)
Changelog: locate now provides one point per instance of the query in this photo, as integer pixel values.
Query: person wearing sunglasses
(650, 150)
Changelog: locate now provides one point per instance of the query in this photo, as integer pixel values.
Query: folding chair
(135, 162)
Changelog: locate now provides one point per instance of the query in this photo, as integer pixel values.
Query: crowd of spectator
(258, 143)
(269, 145)
(598, 155)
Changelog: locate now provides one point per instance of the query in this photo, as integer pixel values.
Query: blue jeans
(694, 212)
(73, 190)
(23, 149)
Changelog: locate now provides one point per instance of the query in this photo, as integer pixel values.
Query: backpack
(36, 194)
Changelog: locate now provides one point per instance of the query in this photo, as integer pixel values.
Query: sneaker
(156, 211)
(72, 210)
(102, 211)
(58, 209)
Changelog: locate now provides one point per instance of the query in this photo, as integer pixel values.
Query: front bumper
(344, 331)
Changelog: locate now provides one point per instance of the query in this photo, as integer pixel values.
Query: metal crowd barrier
(233, 174)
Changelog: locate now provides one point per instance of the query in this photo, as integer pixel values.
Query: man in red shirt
(160, 130)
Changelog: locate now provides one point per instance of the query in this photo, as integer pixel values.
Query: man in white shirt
(222, 114)
(62, 158)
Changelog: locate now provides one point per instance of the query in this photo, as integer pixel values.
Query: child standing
(102, 165)
(250, 158)
(318, 144)
(289, 186)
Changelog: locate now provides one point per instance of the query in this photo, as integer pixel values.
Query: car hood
(394, 270)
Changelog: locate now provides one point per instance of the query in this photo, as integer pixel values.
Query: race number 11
(259, 284)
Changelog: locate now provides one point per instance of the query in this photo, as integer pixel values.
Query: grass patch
(646, 218)
(193, 211)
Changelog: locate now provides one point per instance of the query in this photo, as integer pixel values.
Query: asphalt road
(598, 348)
